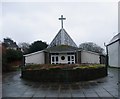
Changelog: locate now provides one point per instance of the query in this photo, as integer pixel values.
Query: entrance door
(54, 59)
(71, 59)
(62, 59)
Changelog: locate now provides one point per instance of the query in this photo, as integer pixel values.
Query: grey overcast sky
(85, 21)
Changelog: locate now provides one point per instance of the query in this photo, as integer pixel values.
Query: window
(52, 59)
(63, 57)
(71, 59)
(68, 58)
(68, 62)
(57, 58)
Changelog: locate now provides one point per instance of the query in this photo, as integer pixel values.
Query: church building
(114, 51)
(62, 50)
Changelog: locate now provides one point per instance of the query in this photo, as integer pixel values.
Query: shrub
(57, 74)
(10, 56)
(64, 66)
(13, 55)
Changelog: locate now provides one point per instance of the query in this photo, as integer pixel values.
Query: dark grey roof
(61, 48)
(62, 38)
(114, 39)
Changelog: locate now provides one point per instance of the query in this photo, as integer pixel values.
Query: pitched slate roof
(62, 38)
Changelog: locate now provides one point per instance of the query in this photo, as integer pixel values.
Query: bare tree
(90, 46)
(24, 47)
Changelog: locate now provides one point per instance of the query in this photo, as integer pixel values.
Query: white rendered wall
(89, 57)
(113, 54)
(119, 54)
(37, 58)
(65, 61)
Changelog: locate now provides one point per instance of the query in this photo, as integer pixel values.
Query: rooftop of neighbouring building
(115, 38)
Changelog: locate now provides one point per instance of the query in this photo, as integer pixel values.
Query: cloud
(27, 22)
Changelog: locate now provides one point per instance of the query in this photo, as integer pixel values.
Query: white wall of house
(65, 61)
(113, 53)
(119, 54)
(89, 57)
(35, 58)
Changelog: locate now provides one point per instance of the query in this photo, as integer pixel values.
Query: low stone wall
(64, 75)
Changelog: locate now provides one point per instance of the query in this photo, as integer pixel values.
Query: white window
(71, 59)
(54, 59)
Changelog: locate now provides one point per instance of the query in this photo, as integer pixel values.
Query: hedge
(64, 75)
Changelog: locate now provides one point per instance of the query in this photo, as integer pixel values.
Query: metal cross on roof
(62, 20)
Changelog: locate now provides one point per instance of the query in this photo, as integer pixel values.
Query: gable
(62, 38)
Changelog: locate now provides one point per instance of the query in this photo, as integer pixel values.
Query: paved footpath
(14, 86)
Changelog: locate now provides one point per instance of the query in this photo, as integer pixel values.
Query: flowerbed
(61, 66)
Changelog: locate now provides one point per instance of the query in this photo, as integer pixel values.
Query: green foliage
(4, 59)
(63, 75)
(9, 56)
(61, 66)
(39, 66)
(91, 66)
(8, 42)
(37, 46)
(32, 67)
(12, 55)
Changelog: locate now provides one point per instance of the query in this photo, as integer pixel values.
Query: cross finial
(62, 20)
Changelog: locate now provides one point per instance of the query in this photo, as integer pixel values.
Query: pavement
(14, 87)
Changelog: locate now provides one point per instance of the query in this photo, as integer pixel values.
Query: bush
(63, 75)
(62, 66)
(10, 56)
(13, 55)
